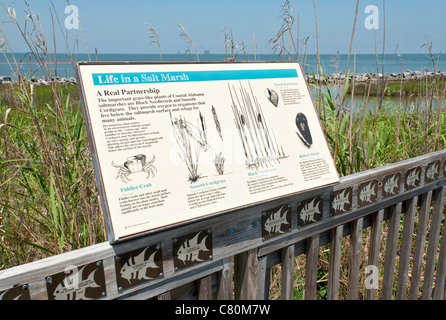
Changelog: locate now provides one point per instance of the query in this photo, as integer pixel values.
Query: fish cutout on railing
(310, 211)
(276, 222)
(413, 178)
(367, 193)
(15, 293)
(432, 171)
(74, 286)
(138, 266)
(390, 184)
(341, 200)
(135, 269)
(192, 249)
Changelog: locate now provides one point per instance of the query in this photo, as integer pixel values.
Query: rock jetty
(40, 81)
(408, 75)
(339, 77)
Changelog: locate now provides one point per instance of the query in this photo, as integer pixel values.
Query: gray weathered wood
(375, 241)
(434, 233)
(419, 245)
(311, 267)
(287, 273)
(246, 272)
(164, 296)
(354, 259)
(205, 288)
(334, 263)
(264, 278)
(390, 258)
(225, 289)
(406, 246)
(441, 269)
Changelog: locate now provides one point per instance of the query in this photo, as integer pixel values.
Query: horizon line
(240, 54)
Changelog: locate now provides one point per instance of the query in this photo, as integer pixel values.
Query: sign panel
(175, 142)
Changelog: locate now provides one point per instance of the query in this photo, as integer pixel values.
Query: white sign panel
(175, 142)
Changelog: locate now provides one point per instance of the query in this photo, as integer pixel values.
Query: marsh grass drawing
(190, 139)
(219, 163)
(258, 140)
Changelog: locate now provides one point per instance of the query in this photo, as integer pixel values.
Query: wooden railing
(402, 229)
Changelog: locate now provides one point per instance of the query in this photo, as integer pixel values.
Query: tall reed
(48, 194)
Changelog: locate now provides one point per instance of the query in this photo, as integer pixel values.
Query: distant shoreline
(364, 83)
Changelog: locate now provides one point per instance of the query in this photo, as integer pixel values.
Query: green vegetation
(48, 196)
(406, 88)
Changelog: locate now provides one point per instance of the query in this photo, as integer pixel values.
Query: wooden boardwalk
(403, 202)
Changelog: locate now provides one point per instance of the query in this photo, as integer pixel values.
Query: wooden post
(354, 259)
(264, 278)
(406, 245)
(205, 288)
(164, 296)
(434, 234)
(246, 273)
(375, 239)
(335, 263)
(441, 271)
(391, 246)
(225, 290)
(419, 245)
(311, 267)
(287, 291)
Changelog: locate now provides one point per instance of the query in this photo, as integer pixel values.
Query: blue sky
(119, 26)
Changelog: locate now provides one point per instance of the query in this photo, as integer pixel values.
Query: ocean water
(62, 65)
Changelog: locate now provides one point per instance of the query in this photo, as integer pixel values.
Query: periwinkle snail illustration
(303, 130)
(272, 96)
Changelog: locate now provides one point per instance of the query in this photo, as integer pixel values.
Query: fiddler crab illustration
(135, 164)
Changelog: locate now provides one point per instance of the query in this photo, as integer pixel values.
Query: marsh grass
(48, 195)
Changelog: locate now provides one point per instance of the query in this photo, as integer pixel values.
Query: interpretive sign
(173, 142)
